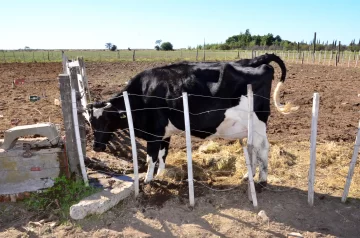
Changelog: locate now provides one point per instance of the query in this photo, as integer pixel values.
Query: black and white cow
(223, 90)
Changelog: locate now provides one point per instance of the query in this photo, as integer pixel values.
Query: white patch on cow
(161, 161)
(150, 170)
(235, 123)
(97, 112)
(235, 126)
(170, 130)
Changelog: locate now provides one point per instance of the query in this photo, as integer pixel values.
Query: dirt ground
(162, 208)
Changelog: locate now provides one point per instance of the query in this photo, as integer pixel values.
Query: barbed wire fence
(74, 99)
(323, 57)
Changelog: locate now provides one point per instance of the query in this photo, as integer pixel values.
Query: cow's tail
(266, 59)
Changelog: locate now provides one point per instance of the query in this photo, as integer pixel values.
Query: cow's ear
(108, 105)
(89, 106)
(122, 115)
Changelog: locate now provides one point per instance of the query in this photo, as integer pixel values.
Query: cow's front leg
(164, 149)
(152, 157)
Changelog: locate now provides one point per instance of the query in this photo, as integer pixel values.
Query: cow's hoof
(147, 181)
(259, 187)
(246, 177)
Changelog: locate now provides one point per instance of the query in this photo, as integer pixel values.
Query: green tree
(166, 46)
(108, 45)
(113, 48)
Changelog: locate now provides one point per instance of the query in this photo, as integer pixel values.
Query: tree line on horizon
(246, 41)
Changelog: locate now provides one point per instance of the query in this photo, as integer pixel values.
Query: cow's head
(105, 119)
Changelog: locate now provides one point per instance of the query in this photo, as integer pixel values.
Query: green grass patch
(59, 198)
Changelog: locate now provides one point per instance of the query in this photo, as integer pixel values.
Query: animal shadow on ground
(167, 203)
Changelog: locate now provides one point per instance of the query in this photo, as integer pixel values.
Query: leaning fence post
(133, 142)
(250, 95)
(188, 149)
(352, 166)
(315, 113)
(81, 120)
(251, 185)
(133, 55)
(70, 144)
(77, 137)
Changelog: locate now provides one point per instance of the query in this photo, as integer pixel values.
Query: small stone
(263, 215)
(56, 102)
(294, 234)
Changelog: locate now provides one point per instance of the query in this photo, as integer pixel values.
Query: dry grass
(288, 166)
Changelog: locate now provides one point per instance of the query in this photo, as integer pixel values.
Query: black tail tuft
(265, 59)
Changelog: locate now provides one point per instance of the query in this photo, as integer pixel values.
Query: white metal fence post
(133, 142)
(188, 149)
(250, 127)
(315, 112)
(352, 166)
(77, 137)
(250, 157)
(251, 185)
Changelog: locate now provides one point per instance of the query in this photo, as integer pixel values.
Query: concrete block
(101, 202)
(19, 174)
(44, 129)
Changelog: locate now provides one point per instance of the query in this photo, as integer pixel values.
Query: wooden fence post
(78, 141)
(336, 59)
(84, 76)
(133, 142)
(14, 56)
(133, 57)
(4, 56)
(197, 53)
(315, 113)
(188, 149)
(204, 51)
(48, 56)
(70, 143)
(302, 61)
(352, 166)
(81, 120)
(64, 62)
(23, 56)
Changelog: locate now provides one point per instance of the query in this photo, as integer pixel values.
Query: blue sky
(90, 24)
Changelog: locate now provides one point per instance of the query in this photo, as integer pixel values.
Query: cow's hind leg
(262, 151)
(152, 156)
(246, 176)
(164, 149)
